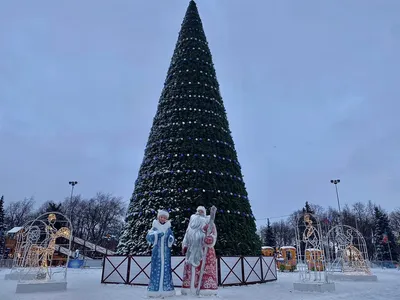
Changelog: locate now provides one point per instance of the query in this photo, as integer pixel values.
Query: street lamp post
(335, 182)
(72, 183)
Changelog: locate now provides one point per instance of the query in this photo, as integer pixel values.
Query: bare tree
(318, 210)
(97, 218)
(19, 212)
(104, 214)
(50, 206)
(284, 233)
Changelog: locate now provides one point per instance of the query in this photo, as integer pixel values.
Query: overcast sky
(311, 90)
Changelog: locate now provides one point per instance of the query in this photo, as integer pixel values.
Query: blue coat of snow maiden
(162, 238)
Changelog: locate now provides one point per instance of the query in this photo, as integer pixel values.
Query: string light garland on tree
(190, 157)
(195, 110)
(186, 190)
(177, 210)
(178, 172)
(192, 123)
(182, 155)
(185, 98)
(174, 140)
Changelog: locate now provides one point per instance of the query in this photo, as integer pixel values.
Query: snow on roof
(288, 247)
(266, 247)
(313, 249)
(15, 230)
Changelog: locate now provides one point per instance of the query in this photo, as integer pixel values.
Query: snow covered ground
(85, 285)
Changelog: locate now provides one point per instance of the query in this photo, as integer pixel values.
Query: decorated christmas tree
(2, 228)
(190, 158)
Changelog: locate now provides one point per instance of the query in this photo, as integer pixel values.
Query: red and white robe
(209, 283)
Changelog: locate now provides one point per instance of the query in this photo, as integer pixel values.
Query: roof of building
(15, 230)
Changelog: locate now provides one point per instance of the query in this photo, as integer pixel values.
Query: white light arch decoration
(311, 262)
(346, 251)
(36, 245)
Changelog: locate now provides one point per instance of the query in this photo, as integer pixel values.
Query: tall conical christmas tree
(190, 158)
(2, 228)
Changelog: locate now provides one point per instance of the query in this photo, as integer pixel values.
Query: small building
(11, 241)
(287, 258)
(267, 251)
(314, 259)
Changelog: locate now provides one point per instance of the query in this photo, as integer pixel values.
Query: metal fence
(6, 263)
(388, 264)
(233, 270)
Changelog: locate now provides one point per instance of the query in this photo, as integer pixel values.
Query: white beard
(194, 239)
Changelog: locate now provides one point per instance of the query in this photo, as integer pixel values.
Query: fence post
(102, 271)
(219, 270)
(262, 269)
(128, 270)
(242, 266)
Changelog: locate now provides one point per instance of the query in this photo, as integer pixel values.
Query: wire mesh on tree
(190, 158)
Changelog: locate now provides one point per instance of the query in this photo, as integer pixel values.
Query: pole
(72, 183)
(337, 197)
(72, 192)
(335, 182)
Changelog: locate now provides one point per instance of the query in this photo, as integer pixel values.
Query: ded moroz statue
(161, 237)
(200, 269)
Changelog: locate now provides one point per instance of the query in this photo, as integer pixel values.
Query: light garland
(189, 138)
(172, 210)
(185, 96)
(194, 109)
(198, 83)
(186, 190)
(194, 70)
(190, 123)
(194, 38)
(187, 171)
(197, 59)
(194, 48)
(181, 155)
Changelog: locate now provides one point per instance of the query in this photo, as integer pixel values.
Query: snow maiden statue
(200, 269)
(161, 237)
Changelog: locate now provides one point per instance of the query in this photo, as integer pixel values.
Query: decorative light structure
(36, 244)
(311, 262)
(346, 252)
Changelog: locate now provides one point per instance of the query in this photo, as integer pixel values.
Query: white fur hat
(203, 209)
(162, 212)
